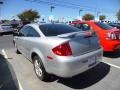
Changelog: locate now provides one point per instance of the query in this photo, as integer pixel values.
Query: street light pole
(98, 13)
(80, 10)
(1, 2)
(0, 9)
(51, 8)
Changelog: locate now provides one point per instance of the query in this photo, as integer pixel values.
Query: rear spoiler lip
(85, 34)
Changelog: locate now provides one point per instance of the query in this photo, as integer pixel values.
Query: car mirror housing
(17, 34)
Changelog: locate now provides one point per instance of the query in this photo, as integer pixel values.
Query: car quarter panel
(69, 66)
(43, 48)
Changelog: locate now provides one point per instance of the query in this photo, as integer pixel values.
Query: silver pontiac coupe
(58, 49)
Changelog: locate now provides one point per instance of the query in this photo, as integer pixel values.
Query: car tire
(17, 51)
(1, 34)
(39, 69)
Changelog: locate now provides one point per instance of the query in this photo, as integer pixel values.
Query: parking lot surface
(105, 76)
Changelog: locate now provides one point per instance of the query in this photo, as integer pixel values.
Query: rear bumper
(117, 47)
(68, 67)
(111, 45)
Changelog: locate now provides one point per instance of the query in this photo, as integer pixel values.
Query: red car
(109, 36)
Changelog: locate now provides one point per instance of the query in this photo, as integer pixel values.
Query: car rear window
(103, 25)
(57, 29)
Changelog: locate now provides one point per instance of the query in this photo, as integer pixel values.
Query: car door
(30, 40)
(20, 40)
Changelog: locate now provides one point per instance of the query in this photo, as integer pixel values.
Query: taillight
(113, 35)
(63, 50)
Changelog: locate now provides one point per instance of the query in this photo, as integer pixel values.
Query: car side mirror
(17, 34)
(20, 34)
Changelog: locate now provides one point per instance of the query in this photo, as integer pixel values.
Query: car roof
(75, 22)
(36, 24)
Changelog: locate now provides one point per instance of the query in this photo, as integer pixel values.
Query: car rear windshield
(57, 29)
(103, 25)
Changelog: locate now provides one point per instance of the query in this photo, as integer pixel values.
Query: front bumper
(68, 67)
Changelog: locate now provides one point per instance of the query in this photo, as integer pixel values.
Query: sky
(11, 8)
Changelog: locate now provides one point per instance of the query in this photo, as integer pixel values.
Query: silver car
(58, 49)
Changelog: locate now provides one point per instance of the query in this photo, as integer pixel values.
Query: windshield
(103, 25)
(57, 29)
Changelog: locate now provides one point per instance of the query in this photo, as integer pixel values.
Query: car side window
(86, 27)
(78, 25)
(83, 26)
(32, 32)
(23, 32)
(28, 31)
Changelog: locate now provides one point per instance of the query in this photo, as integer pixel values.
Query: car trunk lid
(82, 42)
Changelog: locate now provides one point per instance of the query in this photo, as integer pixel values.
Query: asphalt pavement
(105, 76)
(6, 42)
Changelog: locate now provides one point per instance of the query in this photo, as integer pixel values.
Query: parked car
(117, 25)
(58, 49)
(109, 36)
(6, 29)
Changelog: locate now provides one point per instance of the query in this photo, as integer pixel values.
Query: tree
(102, 17)
(88, 17)
(29, 15)
(5, 21)
(118, 15)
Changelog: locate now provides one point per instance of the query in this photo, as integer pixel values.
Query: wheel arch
(36, 52)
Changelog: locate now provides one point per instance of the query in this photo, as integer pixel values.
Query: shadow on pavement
(112, 54)
(87, 78)
(8, 80)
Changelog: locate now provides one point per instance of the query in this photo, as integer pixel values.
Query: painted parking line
(4, 54)
(6, 57)
(118, 67)
(20, 86)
